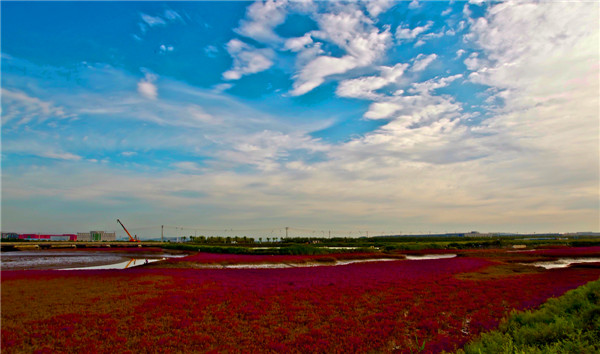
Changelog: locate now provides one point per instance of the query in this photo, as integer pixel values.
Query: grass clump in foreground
(569, 324)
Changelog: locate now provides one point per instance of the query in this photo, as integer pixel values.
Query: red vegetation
(376, 307)
(569, 251)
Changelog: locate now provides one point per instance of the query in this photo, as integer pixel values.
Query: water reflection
(133, 262)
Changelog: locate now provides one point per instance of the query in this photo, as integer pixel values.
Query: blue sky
(389, 116)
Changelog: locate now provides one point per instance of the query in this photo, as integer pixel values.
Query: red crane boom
(131, 239)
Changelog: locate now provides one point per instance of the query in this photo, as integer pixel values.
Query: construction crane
(131, 239)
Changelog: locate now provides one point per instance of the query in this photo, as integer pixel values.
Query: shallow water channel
(73, 259)
(564, 262)
(80, 259)
(429, 256)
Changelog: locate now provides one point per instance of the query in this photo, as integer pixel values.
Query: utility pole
(329, 233)
(162, 233)
(286, 231)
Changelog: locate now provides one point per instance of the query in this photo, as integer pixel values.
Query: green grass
(569, 324)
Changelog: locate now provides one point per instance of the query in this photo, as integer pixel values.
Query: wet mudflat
(115, 258)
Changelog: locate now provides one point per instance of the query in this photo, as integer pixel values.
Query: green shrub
(302, 250)
(569, 324)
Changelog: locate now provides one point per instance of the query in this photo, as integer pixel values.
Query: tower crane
(131, 239)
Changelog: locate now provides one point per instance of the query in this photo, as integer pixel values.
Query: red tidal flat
(569, 251)
(363, 307)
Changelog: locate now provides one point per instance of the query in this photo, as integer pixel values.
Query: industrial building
(96, 236)
(41, 237)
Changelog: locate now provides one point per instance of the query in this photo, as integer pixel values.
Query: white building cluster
(96, 236)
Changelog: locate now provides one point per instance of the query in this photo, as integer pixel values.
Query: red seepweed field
(403, 305)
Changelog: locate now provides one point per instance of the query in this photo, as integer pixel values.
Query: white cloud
(414, 4)
(149, 21)
(542, 69)
(267, 150)
(466, 11)
(419, 43)
(473, 62)
(222, 87)
(376, 7)
(153, 20)
(345, 25)
(459, 53)
(60, 155)
(172, 15)
(407, 33)
(430, 36)
(168, 16)
(128, 153)
(147, 88)
(353, 32)
(261, 19)
(422, 61)
(315, 72)
(298, 43)
(433, 84)
(421, 107)
(247, 59)
(380, 110)
(364, 87)
(165, 48)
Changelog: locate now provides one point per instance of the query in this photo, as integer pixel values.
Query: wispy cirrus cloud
(160, 20)
(153, 20)
(222, 120)
(20, 107)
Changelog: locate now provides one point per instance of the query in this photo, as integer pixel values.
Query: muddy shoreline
(79, 258)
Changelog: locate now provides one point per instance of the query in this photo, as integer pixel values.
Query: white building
(96, 236)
